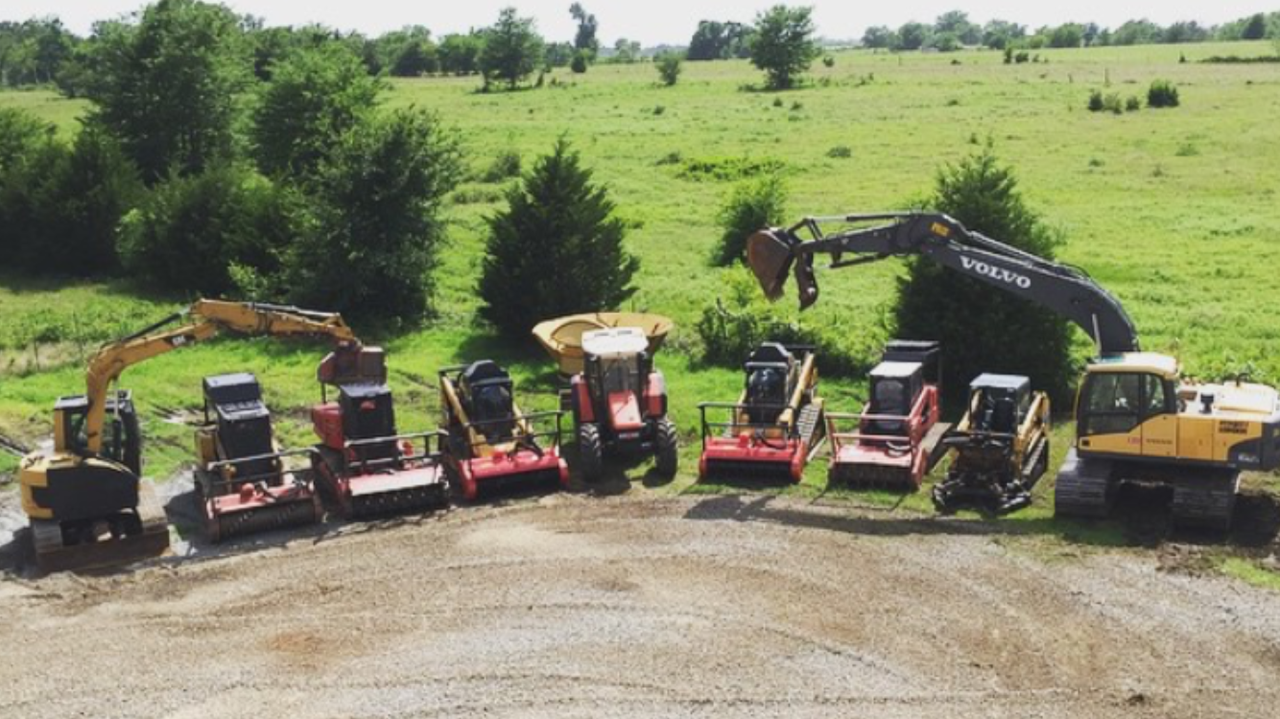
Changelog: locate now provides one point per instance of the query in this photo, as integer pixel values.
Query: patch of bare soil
(639, 606)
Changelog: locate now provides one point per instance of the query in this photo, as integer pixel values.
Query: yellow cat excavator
(1136, 419)
(85, 501)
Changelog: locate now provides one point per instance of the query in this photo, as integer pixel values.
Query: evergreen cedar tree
(556, 250)
(982, 328)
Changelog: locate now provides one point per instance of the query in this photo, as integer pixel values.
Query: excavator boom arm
(1066, 290)
(202, 320)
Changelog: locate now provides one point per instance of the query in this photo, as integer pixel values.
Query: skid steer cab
(619, 402)
(1000, 449)
(774, 428)
(243, 482)
(491, 445)
(363, 463)
(896, 439)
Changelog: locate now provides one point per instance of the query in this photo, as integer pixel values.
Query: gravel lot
(714, 606)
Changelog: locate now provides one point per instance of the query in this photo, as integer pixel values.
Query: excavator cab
(769, 376)
(121, 441)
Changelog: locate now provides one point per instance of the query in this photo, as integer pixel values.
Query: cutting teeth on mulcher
(891, 479)
(412, 500)
(518, 483)
(301, 512)
(726, 470)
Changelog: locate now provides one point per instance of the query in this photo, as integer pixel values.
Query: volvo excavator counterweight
(85, 499)
(1136, 420)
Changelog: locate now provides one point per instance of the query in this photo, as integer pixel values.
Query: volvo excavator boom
(1066, 290)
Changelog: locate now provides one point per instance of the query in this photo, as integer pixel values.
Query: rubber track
(1083, 488)
(1205, 501)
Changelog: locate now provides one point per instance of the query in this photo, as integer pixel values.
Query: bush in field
(669, 65)
(1096, 102)
(1133, 104)
(315, 96)
(556, 249)
(783, 45)
(373, 229)
(1111, 103)
(579, 62)
(1162, 93)
(753, 204)
(190, 230)
(21, 134)
(59, 206)
(982, 328)
(740, 319)
(167, 87)
(505, 165)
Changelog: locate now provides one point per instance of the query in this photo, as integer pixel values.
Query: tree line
(196, 171)
(953, 30)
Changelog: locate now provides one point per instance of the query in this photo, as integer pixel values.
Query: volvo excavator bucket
(770, 255)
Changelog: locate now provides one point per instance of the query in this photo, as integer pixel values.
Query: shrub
(557, 248)
(1096, 103)
(829, 61)
(659, 109)
(373, 228)
(982, 328)
(1022, 57)
(579, 62)
(737, 322)
(1111, 103)
(1132, 104)
(188, 232)
(752, 205)
(728, 168)
(669, 66)
(840, 152)
(505, 165)
(1162, 93)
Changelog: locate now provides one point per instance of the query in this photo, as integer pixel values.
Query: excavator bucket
(770, 255)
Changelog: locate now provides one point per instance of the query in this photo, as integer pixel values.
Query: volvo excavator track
(1084, 488)
(1205, 499)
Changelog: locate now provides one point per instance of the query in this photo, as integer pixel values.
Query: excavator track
(1205, 500)
(145, 534)
(1084, 488)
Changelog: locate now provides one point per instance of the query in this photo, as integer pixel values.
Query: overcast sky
(654, 21)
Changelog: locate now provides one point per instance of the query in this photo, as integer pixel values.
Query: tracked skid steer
(774, 428)
(896, 439)
(244, 483)
(490, 444)
(999, 450)
(363, 464)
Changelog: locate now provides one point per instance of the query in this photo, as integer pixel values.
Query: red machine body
(898, 434)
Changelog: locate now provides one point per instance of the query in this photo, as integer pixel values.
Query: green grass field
(1175, 211)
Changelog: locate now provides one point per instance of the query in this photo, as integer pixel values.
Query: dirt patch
(634, 606)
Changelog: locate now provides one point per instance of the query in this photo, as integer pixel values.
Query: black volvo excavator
(1135, 418)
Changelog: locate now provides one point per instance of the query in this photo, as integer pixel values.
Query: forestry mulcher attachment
(619, 402)
(1000, 449)
(85, 500)
(490, 444)
(363, 464)
(897, 438)
(1136, 420)
(775, 427)
(242, 481)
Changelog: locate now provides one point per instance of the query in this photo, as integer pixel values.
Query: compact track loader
(362, 463)
(619, 402)
(999, 450)
(774, 428)
(243, 483)
(1136, 418)
(490, 444)
(896, 439)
